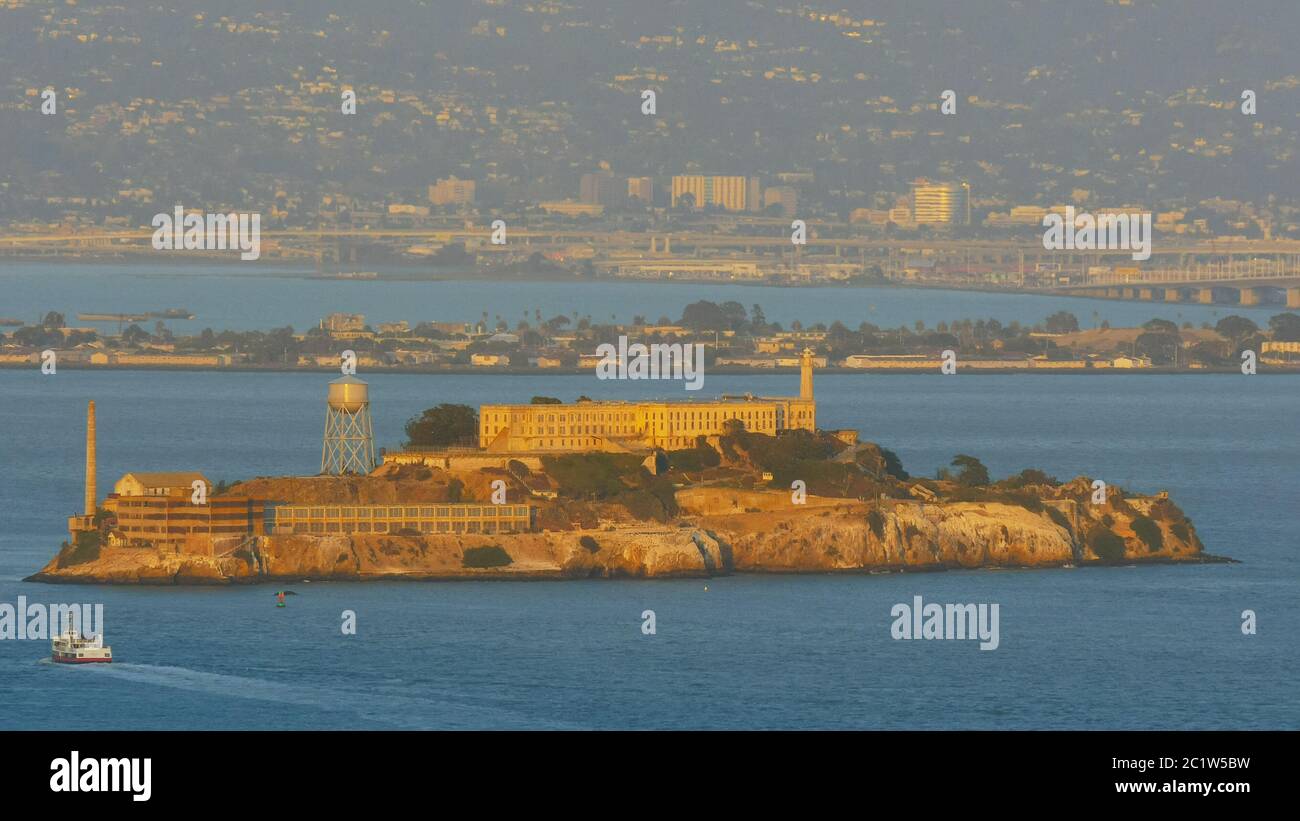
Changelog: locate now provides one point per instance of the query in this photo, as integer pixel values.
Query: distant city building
(871, 216)
(489, 360)
(452, 191)
(754, 195)
(1027, 214)
(641, 188)
(161, 359)
(404, 209)
(796, 177)
(901, 215)
(337, 322)
(1280, 353)
(601, 188)
(783, 195)
(935, 203)
(729, 193)
(572, 208)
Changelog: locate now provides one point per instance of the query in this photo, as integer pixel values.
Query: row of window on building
(412, 519)
(280, 512)
(697, 420)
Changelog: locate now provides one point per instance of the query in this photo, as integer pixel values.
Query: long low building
(618, 426)
(413, 519)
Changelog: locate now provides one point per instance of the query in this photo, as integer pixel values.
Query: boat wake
(398, 706)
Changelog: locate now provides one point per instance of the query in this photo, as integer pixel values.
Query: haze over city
(747, 365)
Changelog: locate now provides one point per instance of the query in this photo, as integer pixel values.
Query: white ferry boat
(73, 648)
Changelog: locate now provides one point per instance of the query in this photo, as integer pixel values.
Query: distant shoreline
(410, 274)
(730, 371)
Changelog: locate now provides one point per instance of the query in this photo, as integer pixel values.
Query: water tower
(349, 445)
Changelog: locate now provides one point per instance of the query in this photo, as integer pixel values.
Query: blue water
(230, 298)
(1143, 647)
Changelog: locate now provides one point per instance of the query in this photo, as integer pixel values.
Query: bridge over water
(1246, 272)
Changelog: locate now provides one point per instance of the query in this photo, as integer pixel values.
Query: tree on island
(1161, 347)
(970, 471)
(1235, 328)
(709, 316)
(1285, 327)
(1160, 326)
(544, 400)
(446, 424)
(1062, 322)
(1160, 341)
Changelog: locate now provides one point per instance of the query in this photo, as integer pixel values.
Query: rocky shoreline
(719, 532)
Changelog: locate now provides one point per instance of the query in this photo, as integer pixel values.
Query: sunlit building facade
(631, 427)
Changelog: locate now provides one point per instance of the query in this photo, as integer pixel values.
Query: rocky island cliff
(742, 502)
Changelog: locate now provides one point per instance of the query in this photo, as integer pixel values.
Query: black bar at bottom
(291, 772)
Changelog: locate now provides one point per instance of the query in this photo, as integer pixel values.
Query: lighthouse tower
(805, 374)
(349, 444)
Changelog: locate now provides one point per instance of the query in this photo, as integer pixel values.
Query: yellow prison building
(638, 426)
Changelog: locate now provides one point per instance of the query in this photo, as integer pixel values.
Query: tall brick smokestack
(90, 459)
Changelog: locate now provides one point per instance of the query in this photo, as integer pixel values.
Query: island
(605, 489)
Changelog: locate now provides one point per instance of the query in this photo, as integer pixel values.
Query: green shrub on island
(990, 495)
(1060, 518)
(1026, 500)
(85, 549)
(1108, 546)
(594, 475)
(1028, 476)
(455, 490)
(1149, 532)
(823, 478)
(880, 463)
(778, 453)
(487, 556)
(1165, 510)
(657, 500)
(694, 460)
